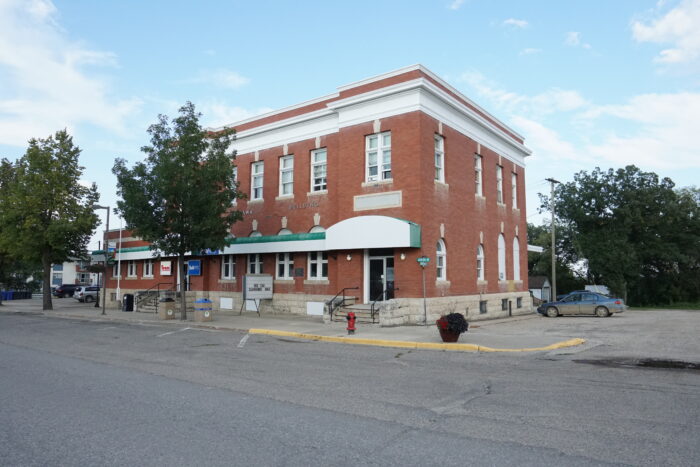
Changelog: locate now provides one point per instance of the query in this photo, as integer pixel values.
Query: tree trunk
(183, 301)
(46, 265)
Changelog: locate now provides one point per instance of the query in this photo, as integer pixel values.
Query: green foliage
(637, 234)
(540, 264)
(45, 213)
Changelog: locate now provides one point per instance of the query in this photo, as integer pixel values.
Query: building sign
(194, 267)
(257, 286)
(166, 268)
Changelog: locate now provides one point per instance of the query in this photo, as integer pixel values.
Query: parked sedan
(583, 302)
(65, 290)
(86, 293)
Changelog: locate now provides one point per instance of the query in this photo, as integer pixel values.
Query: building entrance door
(381, 275)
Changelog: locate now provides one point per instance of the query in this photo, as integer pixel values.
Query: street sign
(423, 261)
(194, 267)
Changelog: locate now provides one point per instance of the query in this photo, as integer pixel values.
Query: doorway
(379, 279)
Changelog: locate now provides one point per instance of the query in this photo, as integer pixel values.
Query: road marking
(243, 341)
(172, 332)
(108, 327)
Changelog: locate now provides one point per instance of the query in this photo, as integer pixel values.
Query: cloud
(216, 114)
(220, 77)
(45, 78)
(530, 51)
(679, 27)
(518, 23)
(456, 4)
(573, 39)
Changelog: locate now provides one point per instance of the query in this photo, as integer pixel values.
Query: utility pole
(554, 253)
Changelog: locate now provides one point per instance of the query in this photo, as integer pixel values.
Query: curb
(413, 345)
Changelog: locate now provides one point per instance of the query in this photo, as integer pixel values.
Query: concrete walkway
(516, 334)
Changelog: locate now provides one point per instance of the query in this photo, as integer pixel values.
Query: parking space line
(172, 332)
(243, 341)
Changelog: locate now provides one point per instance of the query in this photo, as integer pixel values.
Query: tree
(636, 233)
(180, 198)
(540, 264)
(46, 214)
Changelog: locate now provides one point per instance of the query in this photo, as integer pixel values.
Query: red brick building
(349, 189)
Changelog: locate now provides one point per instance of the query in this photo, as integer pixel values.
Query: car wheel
(552, 312)
(602, 312)
(89, 299)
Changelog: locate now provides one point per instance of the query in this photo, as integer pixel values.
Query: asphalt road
(78, 392)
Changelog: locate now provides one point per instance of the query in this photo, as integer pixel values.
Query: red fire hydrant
(351, 322)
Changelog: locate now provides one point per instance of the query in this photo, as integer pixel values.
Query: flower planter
(448, 336)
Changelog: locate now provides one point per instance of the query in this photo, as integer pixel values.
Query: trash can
(202, 309)
(128, 302)
(166, 308)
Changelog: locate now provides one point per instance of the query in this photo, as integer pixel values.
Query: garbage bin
(128, 302)
(166, 308)
(202, 309)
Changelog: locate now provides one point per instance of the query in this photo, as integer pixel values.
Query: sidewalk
(516, 334)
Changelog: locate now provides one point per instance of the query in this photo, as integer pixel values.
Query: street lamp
(106, 252)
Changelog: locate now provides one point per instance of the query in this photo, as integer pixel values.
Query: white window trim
(284, 170)
(131, 265)
(480, 263)
(316, 187)
(255, 263)
(501, 257)
(441, 254)
(514, 188)
(439, 159)
(516, 259)
(148, 268)
(287, 263)
(499, 184)
(229, 260)
(478, 171)
(257, 175)
(235, 183)
(319, 261)
(382, 163)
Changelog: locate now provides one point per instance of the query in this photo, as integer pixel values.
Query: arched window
(441, 260)
(516, 259)
(317, 228)
(480, 262)
(284, 232)
(255, 233)
(501, 257)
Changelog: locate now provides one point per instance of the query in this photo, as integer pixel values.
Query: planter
(447, 335)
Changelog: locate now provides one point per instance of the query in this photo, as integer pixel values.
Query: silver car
(86, 293)
(583, 302)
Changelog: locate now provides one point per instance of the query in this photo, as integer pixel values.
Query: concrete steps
(363, 313)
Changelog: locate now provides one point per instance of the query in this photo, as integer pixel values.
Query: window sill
(442, 283)
(516, 210)
(255, 201)
(317, 193)
(146, 277)
(283, 197)
(377, 183)
(227, 281)
(284, 281)
(442, 184)
(479, 197)
(316, 282)
(133, 278)
(501, 205)
(482, 282)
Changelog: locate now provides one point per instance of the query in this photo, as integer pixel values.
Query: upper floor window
(318, 170)
(501, 257)
(441, 257)
(499, 184)
(115, 270)
(257, 174)
(480, 262)
(516, 259)
(255, 265)
(235, 181)
(378, 156)
(477, 175)
(318, 265)
(148, 268)
(514, 189)
(131, 269)
(439, 158)
(228, 267)
(285, 265)
(287, 176)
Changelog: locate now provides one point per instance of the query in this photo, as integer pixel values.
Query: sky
(590, 83)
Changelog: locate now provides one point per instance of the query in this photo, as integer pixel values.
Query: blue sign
(194, 267)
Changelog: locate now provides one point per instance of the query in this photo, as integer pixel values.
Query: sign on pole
(423, 261)
(194, 267)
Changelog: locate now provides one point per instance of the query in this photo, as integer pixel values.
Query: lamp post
(106, 251)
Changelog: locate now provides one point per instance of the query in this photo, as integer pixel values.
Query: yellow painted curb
(412, 345)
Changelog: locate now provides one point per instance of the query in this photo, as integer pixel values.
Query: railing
(148, 292)
(373, 308)
(337, 302)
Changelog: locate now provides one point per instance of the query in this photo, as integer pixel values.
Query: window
(519, 302)
(477, 175)
(287, 176)
(501, 258)
(115, 270)
(57, 278)
(257, 173)
(482, 307)
(480, 262)
(514, 189)
(504, 304)
(318, 265)
(516, 259)
(255, 265)
(131, 269)
(439, 158)
(378, 156)
(228, 267)
(441, 255)
(148, 268)
(499, 184)
(285, 265)
(235, 182)
(318, 170)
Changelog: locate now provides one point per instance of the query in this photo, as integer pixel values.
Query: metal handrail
(157, 287)
(372, 309)
(332, 305)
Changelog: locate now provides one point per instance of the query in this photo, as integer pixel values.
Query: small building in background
(540, 288)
